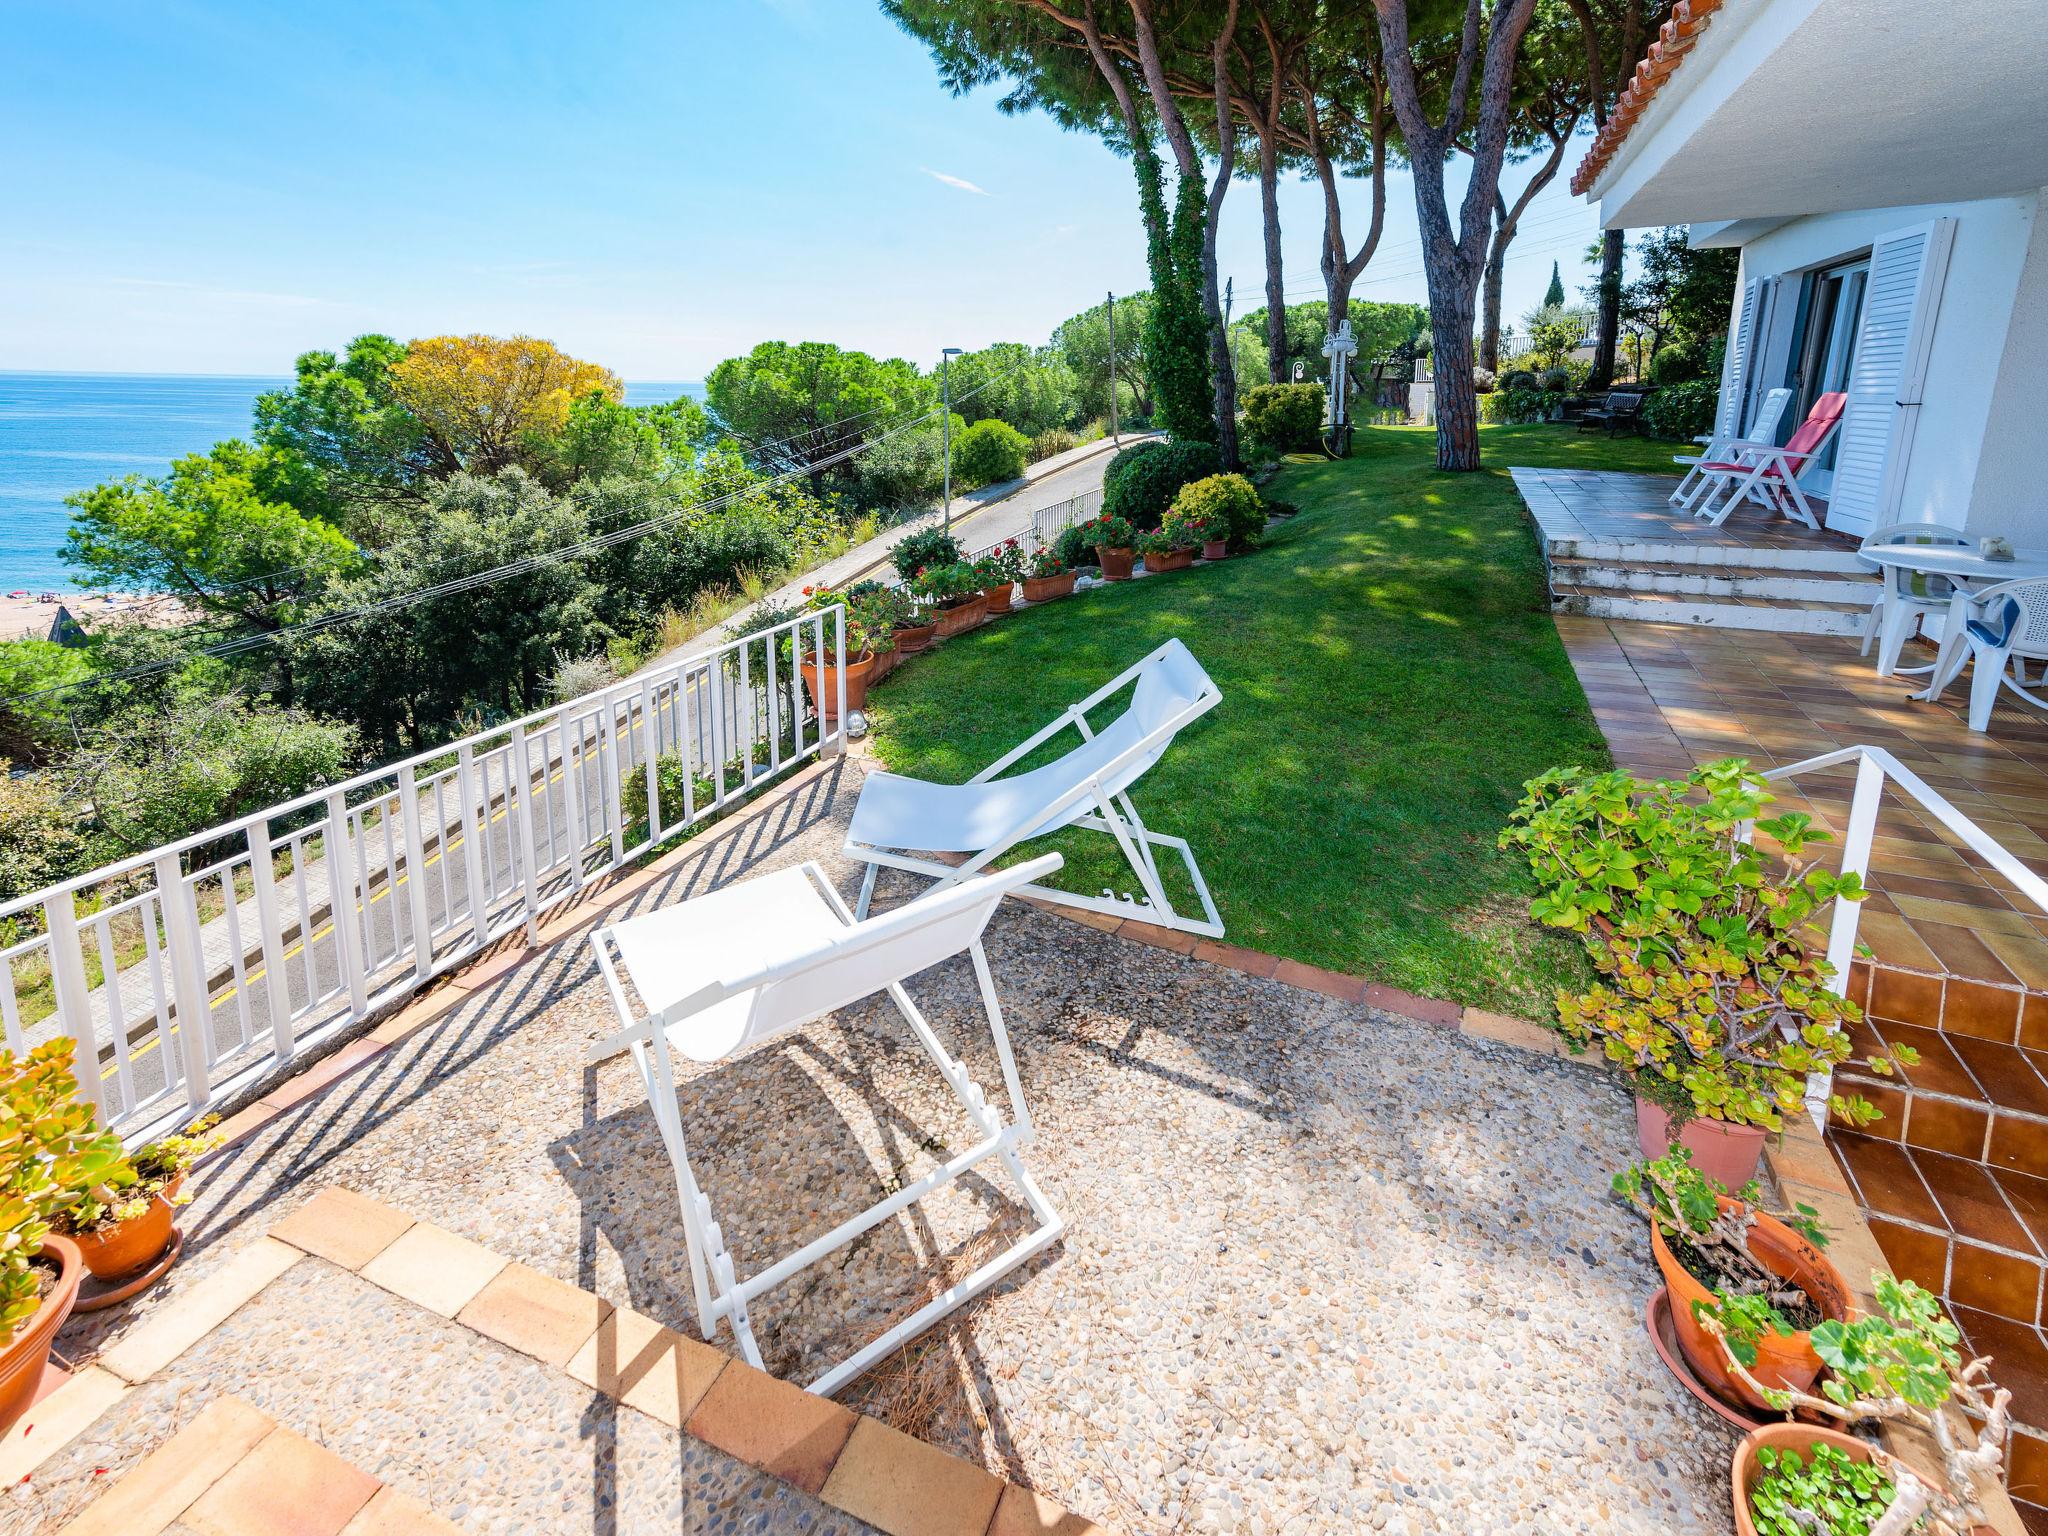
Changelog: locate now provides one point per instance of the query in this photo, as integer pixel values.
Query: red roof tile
(1674, 40)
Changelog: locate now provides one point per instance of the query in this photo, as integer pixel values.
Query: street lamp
(946, 356)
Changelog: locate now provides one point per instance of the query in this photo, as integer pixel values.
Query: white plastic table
(1971, 573)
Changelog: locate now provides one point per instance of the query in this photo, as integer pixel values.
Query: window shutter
(1885, 381)
(1734, 372)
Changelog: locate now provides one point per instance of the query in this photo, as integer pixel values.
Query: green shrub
(988, 451)
(928, 546)
(1141, 482)
(1682, 411)
(1286, 417)
(1227, 501)
(1051, 441)
(1072, 548)
(31, 666)
(1518, 403)
(40, 839)
(1557, 380)
(1518, 378)
(1674, 364)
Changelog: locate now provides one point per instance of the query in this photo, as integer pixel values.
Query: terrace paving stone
(1326, 1267)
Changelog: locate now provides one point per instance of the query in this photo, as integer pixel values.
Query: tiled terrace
(1955, 1177)
(1327, 1268)
(1605, 507)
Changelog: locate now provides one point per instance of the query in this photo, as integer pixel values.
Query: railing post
(839, 643)
(570, 730)
(1863, 808)
(522, 818)
(611, 769)
(650, 754)
(270, 934)
(341, 905)
(476, 825)
(188, 974)
(415, 875)
(74, 997)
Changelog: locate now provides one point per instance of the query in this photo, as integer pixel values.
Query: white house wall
(1968, 362)
(2011, 494)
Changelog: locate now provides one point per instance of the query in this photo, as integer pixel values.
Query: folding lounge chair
(1720, 449)
(1088, 787)
(741, 965)
(1906, 595)
(1769, 475)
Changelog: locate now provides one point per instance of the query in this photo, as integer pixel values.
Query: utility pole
(1115, 436)
(946, 356)
(1229, 285)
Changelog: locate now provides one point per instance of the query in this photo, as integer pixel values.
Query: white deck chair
(1762, 433)
(1769, 475)
(741, 965)
(2006, 626)
(1088, 787)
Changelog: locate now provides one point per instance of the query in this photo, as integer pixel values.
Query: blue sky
(215, 187)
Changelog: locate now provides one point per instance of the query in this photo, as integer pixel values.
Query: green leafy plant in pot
(1715, 993)
(123, 1223)
(1716, 1249)
(51, 1152)
(1901, 1368)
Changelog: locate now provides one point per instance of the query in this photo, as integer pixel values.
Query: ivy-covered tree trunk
(1176, 327)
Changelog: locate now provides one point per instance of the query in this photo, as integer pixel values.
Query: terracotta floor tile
(908, 1488)
(435, 1268)
(1943, 1125)
(342, 1227)
(1939, 1069)
(1023, 1512)
(2034, 1022)
(164, 1484)
(2008, 1077)
(1887, 1178)
(535, 1314)
(288, 1486)
(171, 1330)
(1981, 1011)
(1972, 1202)
(787, 1432)
(57, 1420)
(2020, 1143)
(2019, 1360)
(647, 1366)
(1913, 1254)
(1962, 953)
(391, 1513)
(1905, 997)
(2028, 1196)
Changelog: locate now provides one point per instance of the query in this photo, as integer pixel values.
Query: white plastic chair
(741, 965)
(1761, 433)
(1088, 787)
(1907, 595)
(2004, 627)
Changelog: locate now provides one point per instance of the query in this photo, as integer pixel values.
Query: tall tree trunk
(1457, 410)
(1276, 286)
(1496, 264)
(1610, 310)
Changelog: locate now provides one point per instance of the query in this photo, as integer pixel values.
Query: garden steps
(1619, 597)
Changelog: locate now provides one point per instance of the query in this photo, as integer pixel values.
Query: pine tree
(1553, 296)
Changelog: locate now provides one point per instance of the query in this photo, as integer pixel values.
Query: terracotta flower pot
(914, 639)
(962, 617)
(823, 681)
(1115, 563)
(126, 1246)
(1721, 1151)
(1744, 1470)
(1043, 589)
(999, 597)
(1172, 560)
(22, 1361)
(1782, 1360)
(1215, 549)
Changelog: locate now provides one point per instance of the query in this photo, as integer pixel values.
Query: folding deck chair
(1762, 432)
(1088, 787)
(1769, 475)
(741, 965)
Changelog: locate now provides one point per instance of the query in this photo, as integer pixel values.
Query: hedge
(1141, 482)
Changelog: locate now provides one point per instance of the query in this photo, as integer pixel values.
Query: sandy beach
(30, 615)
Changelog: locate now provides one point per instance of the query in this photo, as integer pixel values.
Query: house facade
(1880, 165)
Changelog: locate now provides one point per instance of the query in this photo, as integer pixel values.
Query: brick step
(1774, 615)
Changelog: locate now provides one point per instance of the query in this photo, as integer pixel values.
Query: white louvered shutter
(1886, 378)
(1735, 371)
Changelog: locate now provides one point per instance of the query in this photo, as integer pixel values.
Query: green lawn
(1390, 676)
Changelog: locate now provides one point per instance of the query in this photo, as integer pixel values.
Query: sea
(67, 432)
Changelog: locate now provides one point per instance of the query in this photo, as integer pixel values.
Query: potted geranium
(1048, 577)
(867, 634)
(1114, 541)
(1188, 528)
(887, 616)
(123, 1224)
(1900, 1368)
(956, 592)
(1762, 1272)
(1714, 992)
(1002, 568)
(1165, 551)
(50, 1153)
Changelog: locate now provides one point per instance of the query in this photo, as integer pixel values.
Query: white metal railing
(1875, 768)
(314, 913)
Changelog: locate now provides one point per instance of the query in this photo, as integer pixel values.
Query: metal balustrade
(278, 931)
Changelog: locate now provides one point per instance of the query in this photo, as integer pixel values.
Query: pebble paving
(1327, 1269)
